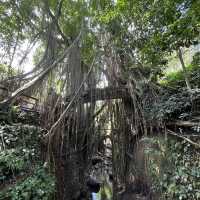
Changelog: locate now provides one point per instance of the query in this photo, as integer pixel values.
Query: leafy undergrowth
(14, 162)
(170, 106)
(174, 167)
(22, 176)
(38, 186)
(20, 135)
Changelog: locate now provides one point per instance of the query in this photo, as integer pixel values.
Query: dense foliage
(175, 102)
(38, 186)
(174, 168)
(20, 161)
(176, 79)
(79, 46)
(172, 105)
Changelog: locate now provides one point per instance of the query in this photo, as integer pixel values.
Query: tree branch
(40, 76)
(55, 20)
(185, 72)
(196, 145)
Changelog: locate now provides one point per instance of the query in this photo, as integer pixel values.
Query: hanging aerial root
(76, 96)
(40, 76)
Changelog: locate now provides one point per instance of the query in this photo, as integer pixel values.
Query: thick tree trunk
(101, 94)
(74, 168)
(186, 76)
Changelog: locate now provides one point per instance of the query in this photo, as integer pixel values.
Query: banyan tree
(94, 87)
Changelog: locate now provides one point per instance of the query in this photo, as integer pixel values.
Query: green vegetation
(6, 71)
(20, 162)
(176, 79)
(38, 186)
(98, 86)
(174, 168)
(14, 161)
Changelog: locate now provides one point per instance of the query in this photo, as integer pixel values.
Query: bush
(170, 106)
(39, 186)
(14, 161)
(26, 136)
(176, 175)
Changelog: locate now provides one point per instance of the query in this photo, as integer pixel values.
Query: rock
(93, 185)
